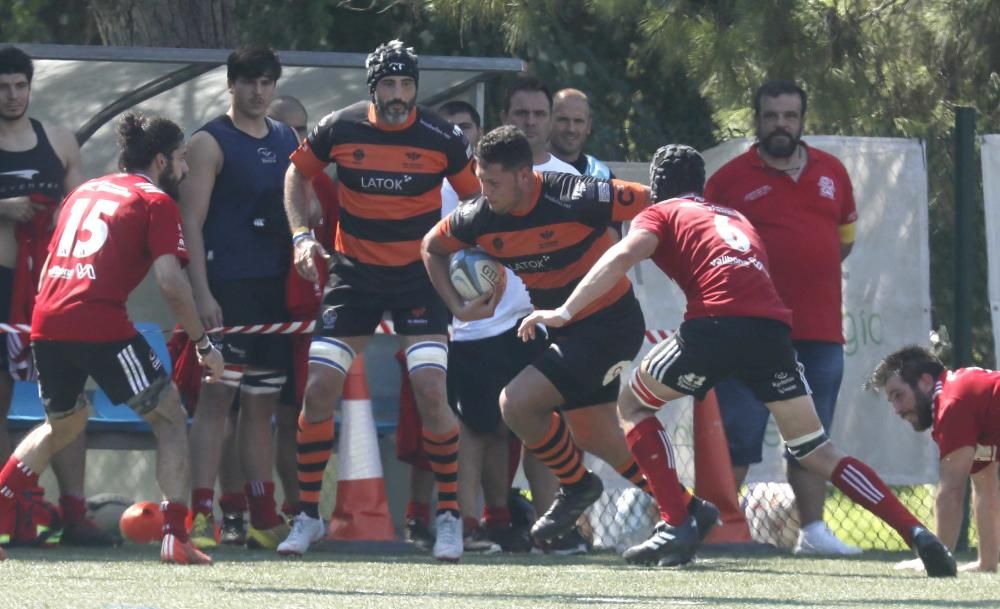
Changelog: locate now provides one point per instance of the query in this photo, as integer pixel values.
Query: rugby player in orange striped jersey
(550, 228)
(391, 158)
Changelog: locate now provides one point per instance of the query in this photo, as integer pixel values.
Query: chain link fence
(624, 516)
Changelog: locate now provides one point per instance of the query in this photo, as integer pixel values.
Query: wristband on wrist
(564, 313)
(300, 234)
(203, 350)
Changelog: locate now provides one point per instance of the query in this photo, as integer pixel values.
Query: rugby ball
(142, 522)
(473, 272)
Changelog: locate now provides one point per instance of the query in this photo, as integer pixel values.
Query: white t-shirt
(515, 303)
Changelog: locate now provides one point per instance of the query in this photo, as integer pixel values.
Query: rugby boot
(669, 546)
(179, 552)
(570, 502)
(522, 512)
(203, 532)
(306, 531)
(570, 544)
(234, 530)
(267, 539)
(448, 544)
(511, 538)
(8, 512)
(705, 515)
(417, 533)
(937, 560)
(477, 541)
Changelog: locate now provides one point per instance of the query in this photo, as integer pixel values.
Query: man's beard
(168, 183)
(7, 118)
(390, 112)
(780, 150)
(924, 406)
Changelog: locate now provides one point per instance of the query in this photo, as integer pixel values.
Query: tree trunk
(166, 23)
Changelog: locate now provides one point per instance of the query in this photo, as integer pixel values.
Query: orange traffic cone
(362, 510)
(713, 473)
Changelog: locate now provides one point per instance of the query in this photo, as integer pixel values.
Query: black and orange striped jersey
(389, 183)
(554, 244)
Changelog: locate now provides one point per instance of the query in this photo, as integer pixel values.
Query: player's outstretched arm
(307, 248)
(954, 477)
(986, 508)
(610, 268)
(177, 293)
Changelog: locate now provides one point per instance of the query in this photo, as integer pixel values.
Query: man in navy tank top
(39, 165)
(237, 235)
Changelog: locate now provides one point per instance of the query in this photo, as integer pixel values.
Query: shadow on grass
(527, 599)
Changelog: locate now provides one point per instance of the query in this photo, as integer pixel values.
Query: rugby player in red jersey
(735, 325)
(962, 410)
(111, 231)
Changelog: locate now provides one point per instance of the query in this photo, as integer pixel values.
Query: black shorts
(479, 369)
(585, 359)
(124, 369)
(348, 311)
(247, 302)
(704, 351)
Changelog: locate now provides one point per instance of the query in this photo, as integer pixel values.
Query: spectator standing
(238, 241)
(571, 125)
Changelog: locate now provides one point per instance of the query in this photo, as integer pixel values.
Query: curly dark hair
(141, 138)
(910, 363)
(675, 170)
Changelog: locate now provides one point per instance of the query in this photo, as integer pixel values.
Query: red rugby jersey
(967, 413)
(799, 223)
(716, 258)
(110, 231)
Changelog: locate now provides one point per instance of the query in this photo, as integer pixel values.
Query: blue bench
(117, 426)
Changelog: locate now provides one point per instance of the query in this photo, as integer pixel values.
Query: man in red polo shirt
(800, 201)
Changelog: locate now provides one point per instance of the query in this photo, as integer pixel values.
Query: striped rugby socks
(864, 487)
(649, 444)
